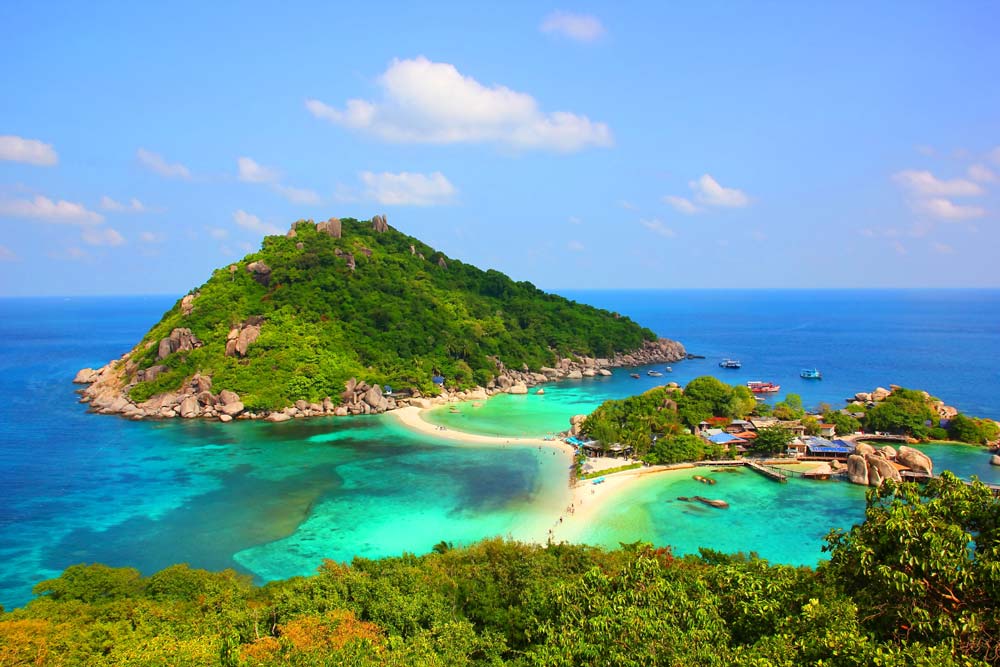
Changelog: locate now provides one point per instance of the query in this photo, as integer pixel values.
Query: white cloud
(573, 220)
(656, 226)
(102, 236)
(898, 247)
(28, 151)
(218, 233)
(408, 189)
(981, 173)
(681, 205)
(133, 206)
(428, 102)
(708, 191)
(296, 195)
(155, 162)
(253, 223)
(942, 248)
(627, 205)
(151, 237)
(995, 155)
(7, 255)
(43, 208)
(924, 149)
(925, 184)
(948, 210)
(579, 27)
(252, 172)
(576, 246)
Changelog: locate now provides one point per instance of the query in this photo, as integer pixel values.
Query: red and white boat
(758, 387)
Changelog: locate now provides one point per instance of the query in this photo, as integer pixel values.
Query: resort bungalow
(739, 426)
(729, 441)
(796, 427)
(762, 422)
(796, 448)
(817, 447)
(827, 430)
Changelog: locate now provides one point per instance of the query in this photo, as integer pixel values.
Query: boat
(695, 356)
(730, 363)
(634, 375)
(758, 387)
(811, 374)
(669, 369)
(655, 374)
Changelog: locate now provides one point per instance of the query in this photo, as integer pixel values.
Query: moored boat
(758, 387)
(811, 374)
(634, 375)
(730, 363)
(655, 374)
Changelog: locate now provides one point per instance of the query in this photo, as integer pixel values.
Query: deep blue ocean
(273, 500)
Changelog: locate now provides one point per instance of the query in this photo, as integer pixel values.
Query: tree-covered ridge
(915, 584)
(377, 305)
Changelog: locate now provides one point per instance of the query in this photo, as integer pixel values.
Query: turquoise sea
(274, 500)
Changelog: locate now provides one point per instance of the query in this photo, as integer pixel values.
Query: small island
(349, 317)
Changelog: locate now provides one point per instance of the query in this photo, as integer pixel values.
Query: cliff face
(322, 319)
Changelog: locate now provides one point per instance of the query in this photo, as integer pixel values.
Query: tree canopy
(380, 306)
(915, 584)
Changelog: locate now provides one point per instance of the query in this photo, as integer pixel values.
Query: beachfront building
(827, 430)
(817, 447)
(739, 426)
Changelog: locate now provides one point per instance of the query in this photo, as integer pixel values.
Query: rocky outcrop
(863, 449)
(518, 388)
(179, 339)
(187, 304)
(379, 224)
(241, 337)
(576, 424)
(915, 460)
(887, 452)
(331, 227)
(995, 460)
(347, 257)
(857, 469)
(880, 470)
(261, 272)
(443, 264)
(85, 376)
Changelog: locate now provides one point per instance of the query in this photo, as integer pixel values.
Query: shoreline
(584, 496)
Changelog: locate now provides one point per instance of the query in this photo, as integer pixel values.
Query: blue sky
(576, 146)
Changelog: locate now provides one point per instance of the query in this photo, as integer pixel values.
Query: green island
(327, 312)
(914, 584)
(662, 425)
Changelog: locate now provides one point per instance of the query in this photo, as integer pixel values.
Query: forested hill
(348, 298)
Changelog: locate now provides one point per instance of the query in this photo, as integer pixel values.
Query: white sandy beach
(585, 497)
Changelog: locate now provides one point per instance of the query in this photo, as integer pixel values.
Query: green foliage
(396, 319)
(843, 424)
(770, 440)
(707, 396)
(904, 411)
(635, 420)
(972, 430)
(610, 471)
(925, 564)
(683, 447)
(790, 408)
(884, 599)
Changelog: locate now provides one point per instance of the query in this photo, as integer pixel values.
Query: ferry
(655, 374)
(811, 374)
(730, 363)
(758, 387)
